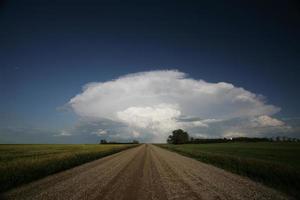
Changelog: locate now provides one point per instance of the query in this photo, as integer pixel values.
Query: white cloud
(156, 102)
(135, 134)
(63, 133)
(99, 132)
(159, 118)
(265, 121)
(233, 134)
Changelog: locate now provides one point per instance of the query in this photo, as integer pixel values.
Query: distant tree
(277, 139)
(103, 142)
(192, 139)
(135, 142)
(178, 137)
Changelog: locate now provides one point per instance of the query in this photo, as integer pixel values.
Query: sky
(81, 71)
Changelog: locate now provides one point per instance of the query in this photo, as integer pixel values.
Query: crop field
(21, 164)
(274, 164)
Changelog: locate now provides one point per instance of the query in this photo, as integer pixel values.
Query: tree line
(180, 136)
(113, 142)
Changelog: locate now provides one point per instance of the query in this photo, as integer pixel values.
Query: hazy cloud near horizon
(149, 105)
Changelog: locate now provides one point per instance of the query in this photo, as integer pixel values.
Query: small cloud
(63, 133)
(64, 108)
(99, 132)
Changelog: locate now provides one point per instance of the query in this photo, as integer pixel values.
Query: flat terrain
(21, 163)
(276, 164)
(144, 172)
(286, 153)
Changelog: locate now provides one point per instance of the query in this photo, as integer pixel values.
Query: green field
(274, 164)
(21, 164)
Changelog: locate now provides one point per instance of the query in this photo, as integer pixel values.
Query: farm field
(22, 163)
(274, 164)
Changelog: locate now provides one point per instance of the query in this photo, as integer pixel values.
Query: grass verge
(257, 161)
(20, 164)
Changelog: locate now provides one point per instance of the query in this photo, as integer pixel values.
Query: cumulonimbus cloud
(157, 102)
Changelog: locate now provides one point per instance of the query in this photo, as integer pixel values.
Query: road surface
(144, 172)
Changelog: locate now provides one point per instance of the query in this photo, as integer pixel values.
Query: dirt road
(145, 172)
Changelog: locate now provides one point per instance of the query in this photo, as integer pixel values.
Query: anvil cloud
(151, 104)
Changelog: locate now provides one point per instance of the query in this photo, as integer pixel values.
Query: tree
(103, 142)
(170, 139)
(192, 139)
(277, 139)
(178, 137)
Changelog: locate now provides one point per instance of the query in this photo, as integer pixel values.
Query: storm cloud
(151, 104)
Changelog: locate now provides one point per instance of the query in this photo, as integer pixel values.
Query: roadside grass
(22, 163)
(274, 164)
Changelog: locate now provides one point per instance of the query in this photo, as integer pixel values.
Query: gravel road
(144, 172)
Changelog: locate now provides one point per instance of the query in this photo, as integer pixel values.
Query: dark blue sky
(50, 49)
